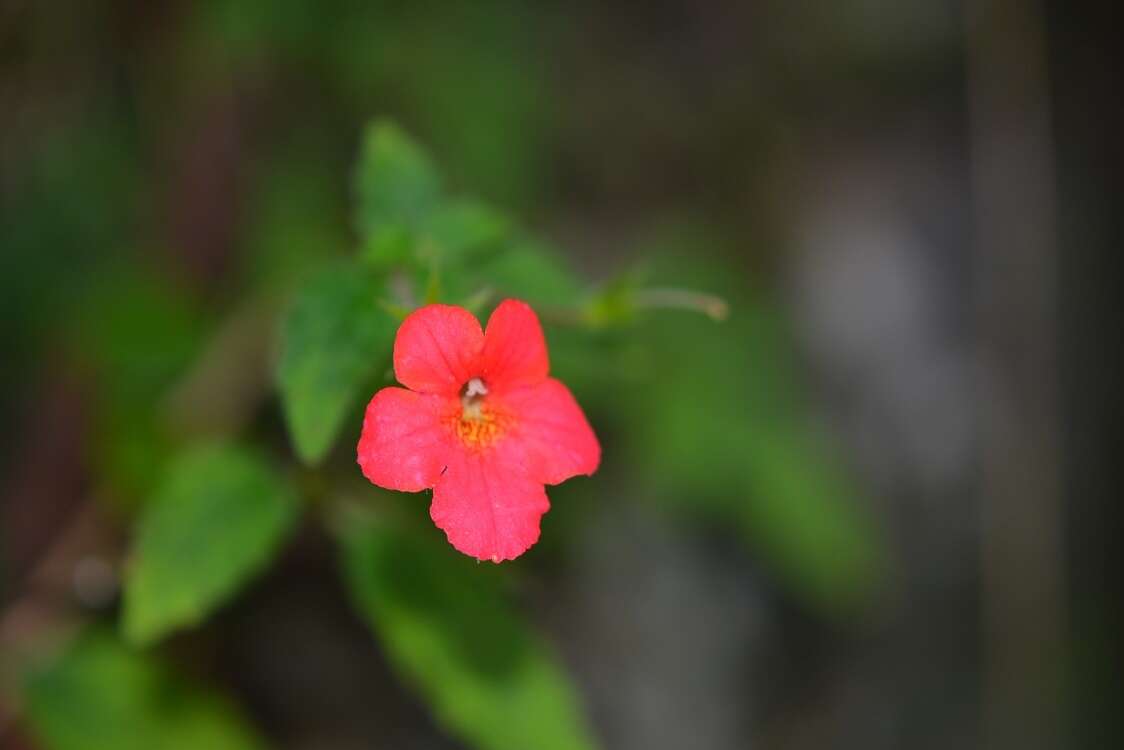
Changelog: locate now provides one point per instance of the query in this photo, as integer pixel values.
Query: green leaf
(534, 272)
(464, 230)
(389, 246)
(335, 339)
(522, 268)
(722, 426)
(217, 519)
(492, 117)
(99, 694)
(449, 631)
(803, 514)
(396, 184)
(456, 249)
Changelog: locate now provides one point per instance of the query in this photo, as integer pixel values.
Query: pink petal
(549, 434)
(437, 349)
(514, 347)
(487, 510)
(406, 438)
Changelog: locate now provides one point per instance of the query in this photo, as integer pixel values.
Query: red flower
(482, 425)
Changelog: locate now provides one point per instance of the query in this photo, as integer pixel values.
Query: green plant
(705, 416)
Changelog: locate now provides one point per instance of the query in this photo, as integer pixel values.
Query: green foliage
(99, 694)
(396, 188)
(532, 271)
(711, 414)
(297, 215)
(136, 332)
(488, 120)
(449, 630)
(59, 202)
(802, 511)
(338, 334)
(720, 423)
(405, 222)
(463, 231)
(216, 520)
(614, 304)
(336, 337)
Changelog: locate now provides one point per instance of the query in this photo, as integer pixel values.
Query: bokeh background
(874, 507)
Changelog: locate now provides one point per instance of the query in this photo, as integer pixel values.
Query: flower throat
(477, 426)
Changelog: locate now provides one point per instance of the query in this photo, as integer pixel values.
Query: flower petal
(514, 347)
(550, 435)
(406, 439)
(437, 349)
(487, 510)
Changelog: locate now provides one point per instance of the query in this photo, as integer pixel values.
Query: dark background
(926, 190)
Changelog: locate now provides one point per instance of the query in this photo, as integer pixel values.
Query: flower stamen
(477, 427)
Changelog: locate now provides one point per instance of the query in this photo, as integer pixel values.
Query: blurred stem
(401, 290)
(477, 301)
(618, 305)
(231, 378)
(396, 311)
(710, 305)
(570, 317)
(433, 288)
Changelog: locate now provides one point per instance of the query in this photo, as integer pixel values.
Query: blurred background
(874, 507)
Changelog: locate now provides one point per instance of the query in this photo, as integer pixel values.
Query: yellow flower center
(477, 426)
